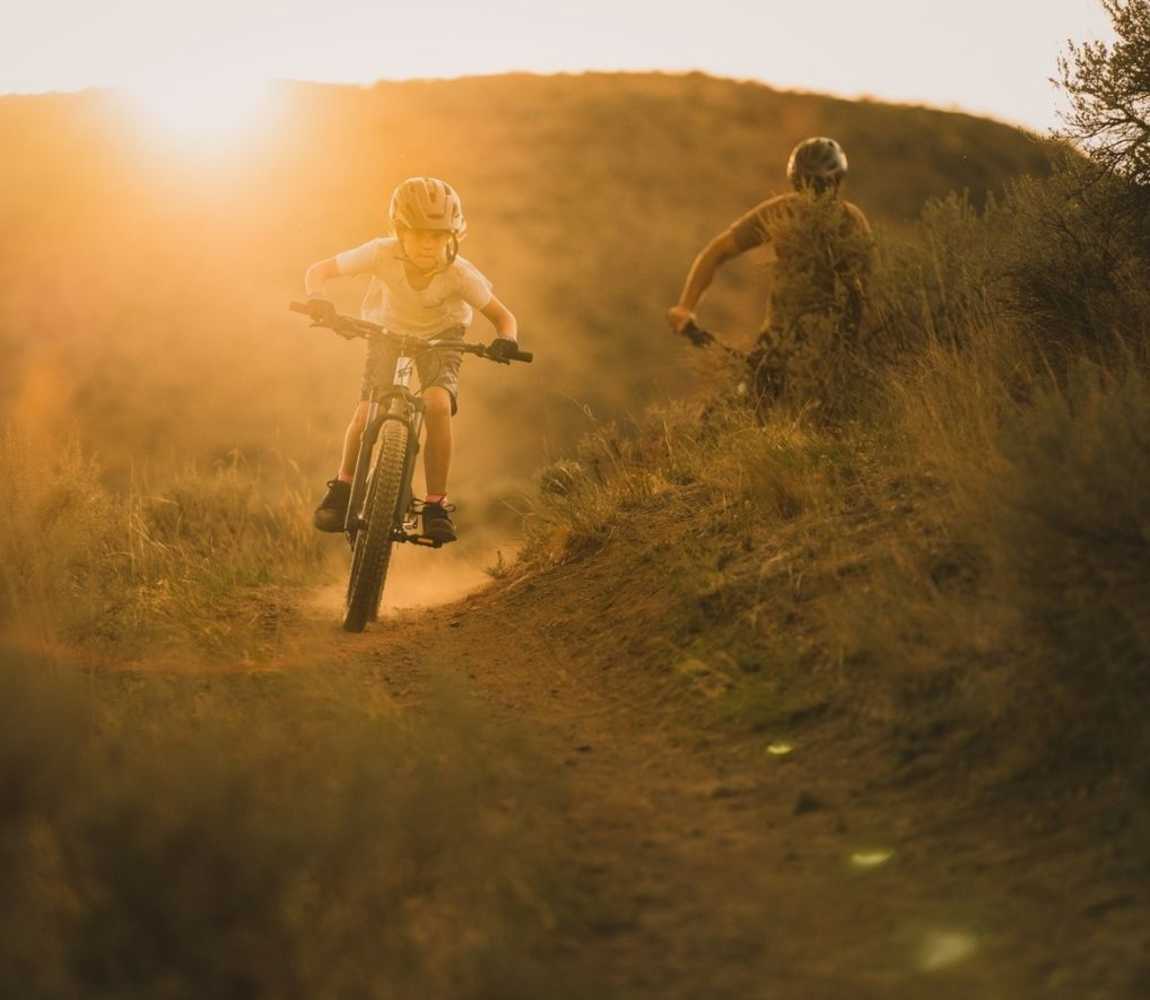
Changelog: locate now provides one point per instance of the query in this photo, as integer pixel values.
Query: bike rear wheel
(373, 542)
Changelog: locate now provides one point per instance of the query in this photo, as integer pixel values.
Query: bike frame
(394, 402)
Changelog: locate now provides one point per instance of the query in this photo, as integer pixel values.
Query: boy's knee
(359, 415)
(437, 403)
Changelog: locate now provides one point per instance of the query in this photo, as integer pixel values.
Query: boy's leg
(437, 454)
(351, 442)
(437, 523)
(331, 514)
(439, 376)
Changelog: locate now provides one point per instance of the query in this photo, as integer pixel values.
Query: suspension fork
(415, 423)
(401, 406)
(367, 440)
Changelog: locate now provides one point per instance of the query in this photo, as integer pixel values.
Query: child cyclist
(420, 286)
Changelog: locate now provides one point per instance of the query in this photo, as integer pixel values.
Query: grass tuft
(267, 835)
(128, 570)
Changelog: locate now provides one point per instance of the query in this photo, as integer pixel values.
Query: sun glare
(209, 113)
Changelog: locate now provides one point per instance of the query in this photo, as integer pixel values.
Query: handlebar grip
(696, 334)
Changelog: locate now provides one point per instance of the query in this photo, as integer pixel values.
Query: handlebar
(704, 338)
(696, 334)
(350, 329)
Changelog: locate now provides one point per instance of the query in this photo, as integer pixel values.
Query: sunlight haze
(985, 57)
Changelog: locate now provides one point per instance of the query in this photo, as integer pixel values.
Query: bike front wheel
(375, 538)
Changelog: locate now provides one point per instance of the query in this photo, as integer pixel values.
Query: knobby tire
(375, 539)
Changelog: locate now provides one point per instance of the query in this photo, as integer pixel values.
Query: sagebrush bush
(1044, 511)
(1070, 522)
(1061, 257)
(1069, 249)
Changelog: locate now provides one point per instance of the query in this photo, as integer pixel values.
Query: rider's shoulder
(461, 267)
(379, 251)
(767, 213)
(778, 204)
(857, 216)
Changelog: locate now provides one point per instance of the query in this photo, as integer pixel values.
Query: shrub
(1071, 524)
(264, 836)
(86, 563)
(1109, 91)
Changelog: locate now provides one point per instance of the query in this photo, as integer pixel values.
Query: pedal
(412, 538)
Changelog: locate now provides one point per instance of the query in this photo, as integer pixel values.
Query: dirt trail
(711, 867)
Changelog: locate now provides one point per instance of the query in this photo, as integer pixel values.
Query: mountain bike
(383, 509)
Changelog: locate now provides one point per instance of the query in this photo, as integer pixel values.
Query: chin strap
(452, 253)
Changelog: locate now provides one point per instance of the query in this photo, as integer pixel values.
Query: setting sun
(212, 111)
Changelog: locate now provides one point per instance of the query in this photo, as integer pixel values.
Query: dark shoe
(331, 514)
(437, 524)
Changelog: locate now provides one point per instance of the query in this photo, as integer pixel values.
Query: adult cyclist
(821, 256)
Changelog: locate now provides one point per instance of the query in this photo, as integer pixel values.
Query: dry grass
(268, 835)
(199, 565)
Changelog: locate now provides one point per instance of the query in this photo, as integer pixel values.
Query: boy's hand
(501, 349)
(323, 312)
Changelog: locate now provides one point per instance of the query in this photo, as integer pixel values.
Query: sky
(991, 57)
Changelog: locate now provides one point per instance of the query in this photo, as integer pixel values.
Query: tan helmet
(428, 203)
(819, 163)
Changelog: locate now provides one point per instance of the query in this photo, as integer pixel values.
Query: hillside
(839, 696)
(144, 304)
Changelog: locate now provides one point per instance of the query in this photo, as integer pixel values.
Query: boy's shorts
(439, 368)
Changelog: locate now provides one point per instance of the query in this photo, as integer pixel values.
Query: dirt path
(710, 867)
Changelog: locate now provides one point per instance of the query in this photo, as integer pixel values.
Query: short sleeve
(361, 260)
(473, 287)
(860, 221)
(750, 230)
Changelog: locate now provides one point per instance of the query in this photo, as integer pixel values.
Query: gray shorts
(439, 368)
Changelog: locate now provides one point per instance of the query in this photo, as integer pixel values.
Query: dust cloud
(148, 313)
(420, 577)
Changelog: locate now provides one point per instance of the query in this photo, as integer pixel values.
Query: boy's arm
(502, 319)
(361, 260)
(317, 275)
(721, 249)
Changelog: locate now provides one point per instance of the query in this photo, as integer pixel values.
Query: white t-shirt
(447, 301)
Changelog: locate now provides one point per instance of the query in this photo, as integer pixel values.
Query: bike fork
(358, 497)
(406, 516)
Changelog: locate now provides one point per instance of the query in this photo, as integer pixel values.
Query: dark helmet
(819, 163)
